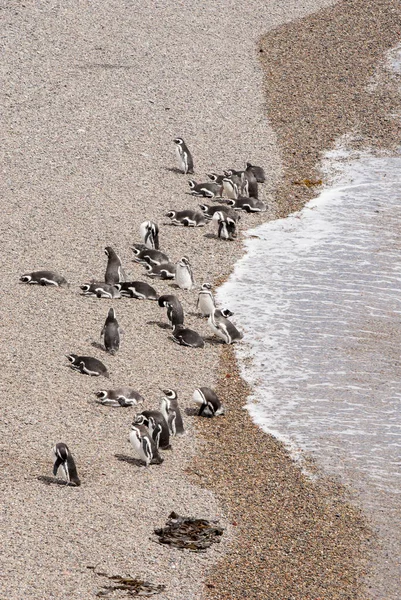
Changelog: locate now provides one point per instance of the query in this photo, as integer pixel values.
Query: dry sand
(92, 95)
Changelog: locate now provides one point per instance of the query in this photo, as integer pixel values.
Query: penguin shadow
(211, 236)
(53, 481)
(98, 346)
(160, 324)
(191, 412)
(213, 341)
(173, 170)
(129, 459)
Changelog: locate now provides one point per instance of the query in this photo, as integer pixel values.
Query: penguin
(231, 188)
(144, 446)
(111, 332)
(210, 189)
(184, 156)
(149, 232)
(156, 423)
(223, 328)
(249, 205)
(175, 312)
(100, 290)
(257, 171)
(88, 365)
(64, 459)
(44, 278)
(114, 271)
(187, 337)
(164, 271)
(183, 274)
(123, 396)
(137, 289)
(227, 226)
(188, 218)
(147, 255)
(248, 179)
(216, 178)
(208, 402)
(205, 303)
(171, 412)
(209, 211)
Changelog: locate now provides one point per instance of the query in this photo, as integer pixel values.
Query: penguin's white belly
(183, 278)
(206, 305)
(221, 334)
(180, 158)
(137, 446)
(198, 398)
(230, 190)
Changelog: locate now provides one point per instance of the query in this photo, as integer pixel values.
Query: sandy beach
(92, 96)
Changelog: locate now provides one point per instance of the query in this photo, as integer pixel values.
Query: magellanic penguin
(209, 211)
(149, 232)
(171, 411)
(209, 189)
(187, 337)
(88, 365)
(123, 396)
(216, 178)
(64, 459)
(249, 205)
(175, 312)
(164, 271)
(257, 171)
(144, 446)
(100, 290)
(226, 226)
(188, 218)
(183, 274)
(184, 156)
(231, 188)
(156, 423)
(205, 303)
(147, 255)
(248, 179)
(44, 278)
(114, 271)
(137, 289)
(208, 402)
(223, 328)
(111, 332)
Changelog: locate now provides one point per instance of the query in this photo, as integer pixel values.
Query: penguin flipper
(57, 463)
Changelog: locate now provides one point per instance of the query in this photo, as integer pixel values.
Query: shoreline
(343, 551)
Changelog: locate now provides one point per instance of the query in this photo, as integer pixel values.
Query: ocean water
(318, 295)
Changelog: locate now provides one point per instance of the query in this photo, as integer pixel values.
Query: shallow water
(319, 297)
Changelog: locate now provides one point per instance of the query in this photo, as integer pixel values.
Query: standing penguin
(171, 411)
(111, 332)
(206, 304)
(184, 156)
(114, 271)
(210, 405)
(63, 459)
(183, 274)
(157, 425)
(257, 171)
(175, 312)
(150, 234)
(252, 184)
(226, 225)
(144, 446)
(223, 328)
